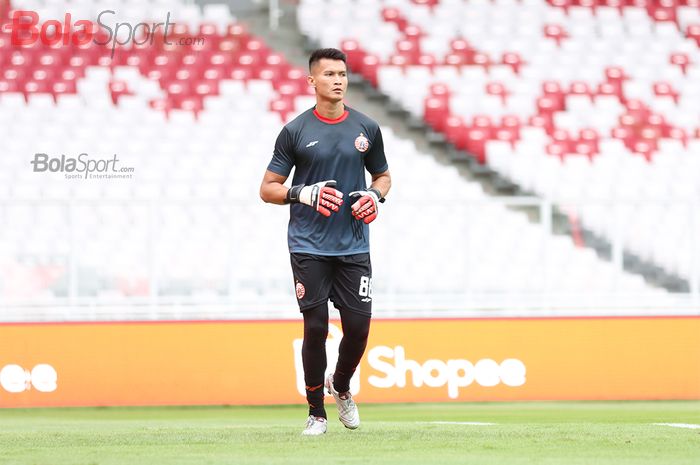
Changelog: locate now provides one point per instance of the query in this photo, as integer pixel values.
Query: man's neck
(330, 110)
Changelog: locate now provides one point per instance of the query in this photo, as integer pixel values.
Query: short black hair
(330, 53)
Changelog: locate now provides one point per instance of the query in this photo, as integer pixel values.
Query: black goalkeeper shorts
(346, 280)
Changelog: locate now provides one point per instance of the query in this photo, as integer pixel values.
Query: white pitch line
(472, 423)
(679, 425)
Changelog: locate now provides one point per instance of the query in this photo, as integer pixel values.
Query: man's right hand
(322, 196)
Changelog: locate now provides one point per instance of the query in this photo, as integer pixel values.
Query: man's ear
(311, 81)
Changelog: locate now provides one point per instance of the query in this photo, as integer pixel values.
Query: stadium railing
(196, 259)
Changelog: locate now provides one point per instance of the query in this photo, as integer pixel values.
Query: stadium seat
(635, 88)
(194, 201)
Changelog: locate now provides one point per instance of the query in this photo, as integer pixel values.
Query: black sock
(313, 354)
(352, 347)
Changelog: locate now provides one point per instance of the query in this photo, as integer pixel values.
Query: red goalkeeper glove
(366, 207)
(321, 196)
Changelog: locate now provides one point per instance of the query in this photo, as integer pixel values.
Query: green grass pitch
(620, 433)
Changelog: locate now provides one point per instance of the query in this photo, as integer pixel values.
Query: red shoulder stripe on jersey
(339, 119)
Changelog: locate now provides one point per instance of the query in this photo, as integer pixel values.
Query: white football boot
(347, 410)
(315, 426)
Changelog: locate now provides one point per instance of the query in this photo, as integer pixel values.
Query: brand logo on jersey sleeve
(311, 144)
(361, 143)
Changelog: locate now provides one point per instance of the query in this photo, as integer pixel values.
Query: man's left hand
(366, 207)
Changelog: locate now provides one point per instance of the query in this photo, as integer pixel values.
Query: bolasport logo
(393, 369)
(82, 167)
(25, 30)
(15, 379)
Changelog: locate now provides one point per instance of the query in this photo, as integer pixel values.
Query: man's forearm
(382, 183)
(274, 193)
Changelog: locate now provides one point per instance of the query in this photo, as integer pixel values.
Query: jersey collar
(339, 119)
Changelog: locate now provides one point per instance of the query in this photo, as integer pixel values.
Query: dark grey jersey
(323, 149)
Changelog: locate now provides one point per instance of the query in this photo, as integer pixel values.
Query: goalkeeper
(330, 146)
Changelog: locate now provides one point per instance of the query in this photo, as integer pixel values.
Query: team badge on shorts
(301, 291)
(361, 143)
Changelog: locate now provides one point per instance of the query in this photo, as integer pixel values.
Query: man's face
(330, 77)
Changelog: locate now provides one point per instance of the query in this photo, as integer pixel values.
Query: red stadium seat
(624, 134)
(370, 65)
(240, 74)
(455, 59)
(462, 48)
(614, 74)
(556, 33)
(561, 3)
(203, 88)
(513, 60)
(678, 134)
(282, 106)
(511, 123)
(590, 139)
(270, 73)
(409, 49)
(659, 124)
(554, 92)
(353, 52)
(426, 2)
(680, 59)
(484, 123)
(580, 88)
(506, 135)
(8, 86)
(63, 87)
(436, 111)
(564, 138)
(35, 87)
(225, 61)
(557, 149)
(693, 32)
(643, 148)
(117, 89)
(192, 103)
(393, 15)
(455, 131)
(544, 121)
(608, 88)
(413, 33)
(497, 89)
(547, 106)
(427, 60)
(163, 105)
(239, 33)
(476, 143)
(400, 60)
(660, 13)
(480, 59)
(213, 74)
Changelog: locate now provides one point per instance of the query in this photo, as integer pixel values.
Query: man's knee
(316, 323)
(356, 327)
(316, 331)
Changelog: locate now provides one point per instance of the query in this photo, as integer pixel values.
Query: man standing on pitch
(330, 146)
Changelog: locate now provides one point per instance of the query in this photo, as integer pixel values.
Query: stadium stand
(573, 101)
(197, 123)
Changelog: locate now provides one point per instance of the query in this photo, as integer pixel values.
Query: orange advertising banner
(259, 362)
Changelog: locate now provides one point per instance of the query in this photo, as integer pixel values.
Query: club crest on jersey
(301, 291)
(361, 143)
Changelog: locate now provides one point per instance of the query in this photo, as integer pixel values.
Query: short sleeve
(283, 156)
(375, 161)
